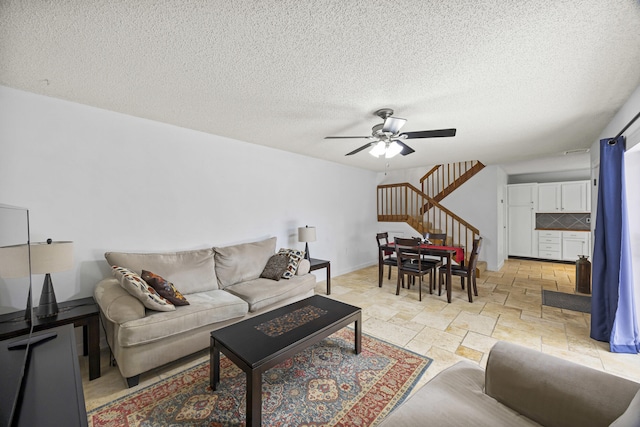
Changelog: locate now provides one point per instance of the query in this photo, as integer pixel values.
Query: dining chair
(384, 257)
(412, 263)
(464, 272)
(439, 239)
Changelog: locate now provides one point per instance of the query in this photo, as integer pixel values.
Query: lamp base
(48, 306)
(306, 251)
(28, 311)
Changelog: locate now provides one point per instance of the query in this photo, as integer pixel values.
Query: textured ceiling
(518, 79)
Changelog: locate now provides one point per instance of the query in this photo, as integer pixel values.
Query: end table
(81, 312)
(317, 264)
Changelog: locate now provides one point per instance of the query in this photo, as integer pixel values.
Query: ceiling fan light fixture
(392, 150)
(378, 149)
(393, 125)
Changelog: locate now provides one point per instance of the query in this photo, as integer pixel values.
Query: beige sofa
(222, 286)
(521, 387)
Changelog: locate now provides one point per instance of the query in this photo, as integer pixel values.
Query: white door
(500, 238)
(521, 231)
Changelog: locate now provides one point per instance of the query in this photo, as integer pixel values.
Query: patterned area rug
(325, 385)
(573, 302)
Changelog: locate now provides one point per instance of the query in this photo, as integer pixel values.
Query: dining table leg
(449, 284)
(380, 268)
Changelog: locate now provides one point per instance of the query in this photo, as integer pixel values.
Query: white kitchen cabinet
(564, 197)
(549, 197)
(574, 197)
(521, 199)
(575, 243)
(550, 244)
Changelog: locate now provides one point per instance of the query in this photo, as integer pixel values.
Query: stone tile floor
(509, 307)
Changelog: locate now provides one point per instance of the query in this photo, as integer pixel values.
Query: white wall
(477, 201)
(556, 176)
(112, 182)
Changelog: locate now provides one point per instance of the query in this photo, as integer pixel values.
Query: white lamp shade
(45, 258)
(393, 149)
(306, 234)
(51, 258)
(378, 149)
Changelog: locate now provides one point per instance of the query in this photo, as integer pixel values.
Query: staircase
(404, 202)
(443, 180)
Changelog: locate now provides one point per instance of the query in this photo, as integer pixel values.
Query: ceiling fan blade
(405, 148)
(440, 133)
(346, 137)
(357, 150)
(393, 124)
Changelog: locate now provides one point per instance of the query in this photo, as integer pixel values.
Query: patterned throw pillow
(276, 266)
(295, 256)
(137, 287)
(165, 288)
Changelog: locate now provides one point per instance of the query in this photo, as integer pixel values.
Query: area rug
(325, 385)
(573, 302)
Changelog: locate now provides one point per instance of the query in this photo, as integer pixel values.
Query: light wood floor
(509, 308)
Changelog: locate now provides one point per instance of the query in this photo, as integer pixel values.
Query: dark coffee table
(260, 343)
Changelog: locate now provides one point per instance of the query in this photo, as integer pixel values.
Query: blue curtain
(613, 313)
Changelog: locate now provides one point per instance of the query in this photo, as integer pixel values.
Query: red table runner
(459, 256)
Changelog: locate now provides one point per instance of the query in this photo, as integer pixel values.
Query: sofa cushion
(552, 391)
(206, 308)
(137, 287)
(304, 267)
(455, 397)
(261, 293)
(190, 271)
(275, 268)
(116, 304)
(239, 263)
(630, 417)
(295, 256)
(164, 288)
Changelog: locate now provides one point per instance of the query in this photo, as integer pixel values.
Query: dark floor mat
(573, 302)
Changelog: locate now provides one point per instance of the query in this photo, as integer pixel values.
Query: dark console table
(52, 393)
(81, 312)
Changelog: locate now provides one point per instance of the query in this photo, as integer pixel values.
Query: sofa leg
(133, 381)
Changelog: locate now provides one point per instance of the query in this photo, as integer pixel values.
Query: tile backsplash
(563, 221)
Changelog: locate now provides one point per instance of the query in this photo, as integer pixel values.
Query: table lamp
(306, 234)
(47, 258)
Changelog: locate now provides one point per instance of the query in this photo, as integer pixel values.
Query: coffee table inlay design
(290, 321)
(262, 342)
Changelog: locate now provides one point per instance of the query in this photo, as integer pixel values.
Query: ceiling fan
(386, 137)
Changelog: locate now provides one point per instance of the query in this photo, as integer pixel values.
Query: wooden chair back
(475, 251)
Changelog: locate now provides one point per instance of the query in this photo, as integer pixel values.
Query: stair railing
(405, 203)
(441, 180)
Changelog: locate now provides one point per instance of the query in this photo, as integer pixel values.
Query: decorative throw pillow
(164, 288)
(137, 287)
(294, 260)
(276, 266)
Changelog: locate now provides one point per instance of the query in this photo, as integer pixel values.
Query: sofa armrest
(117, 305)
(303, 268)
(553, 391)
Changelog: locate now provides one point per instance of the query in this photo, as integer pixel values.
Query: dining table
(450, 253)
